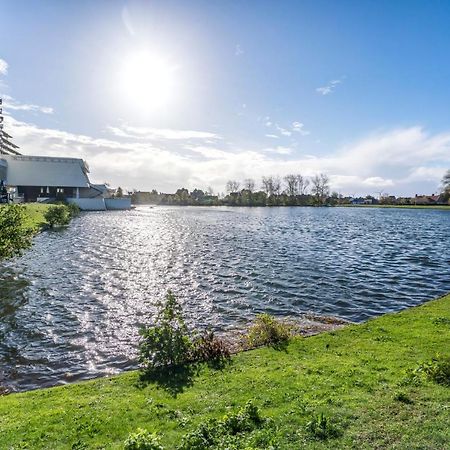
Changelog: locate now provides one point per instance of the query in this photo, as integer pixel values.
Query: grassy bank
(358, 377)
(34, 215)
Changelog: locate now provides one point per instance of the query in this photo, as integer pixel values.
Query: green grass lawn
(35, 214)
(358, 377)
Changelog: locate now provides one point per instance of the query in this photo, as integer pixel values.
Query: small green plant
(142, 440)
(441, 321)
(15, 236)
(57, 215)
(322, 428)
(224, 433)
(167, 343)
(437, 370)
(266, 330)
(74, 210)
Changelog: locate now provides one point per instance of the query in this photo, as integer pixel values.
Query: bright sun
(147, 80)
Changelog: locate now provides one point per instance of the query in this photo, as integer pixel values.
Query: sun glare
(147, 80)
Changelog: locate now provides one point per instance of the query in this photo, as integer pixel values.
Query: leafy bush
(207, 347)
(142, 440)
(215, 433)
(57, 215)
(73, 209)
(266, 330)
(167, 343)
(321, 427)
(15, 236)
(437, 370)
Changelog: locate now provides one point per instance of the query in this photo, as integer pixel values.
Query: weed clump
(322, 428)
(224, 433)
(437, 370)
(267, 330)
(142, 440)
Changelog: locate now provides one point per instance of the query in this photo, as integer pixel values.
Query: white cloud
(329, 88)
(404, 160)
(3, 67)
(11, 104)
(209, 152)
(238, 50)
(273, 136)
(300, 128)
(378, 182)
(127, 131)
(279, 150)
(283, 131)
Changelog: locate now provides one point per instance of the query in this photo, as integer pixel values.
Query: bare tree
(267, 185)
(276, 185)
(291, 185)
(302, 184)
(249, 184)
(232, 186)
(320, 187)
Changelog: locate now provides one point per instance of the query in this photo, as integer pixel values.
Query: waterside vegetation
(381, 384)
(18, 224)
(291, 190)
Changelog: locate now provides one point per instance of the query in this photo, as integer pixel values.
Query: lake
(71, 307)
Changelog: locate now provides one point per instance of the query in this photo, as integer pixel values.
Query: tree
(446, 186)
(267, 185)
(320, 188)
(232, 186)
(249, 184)
(119, 192)
(291, 185)
(15, 236)
(167, 343)
(302, 184)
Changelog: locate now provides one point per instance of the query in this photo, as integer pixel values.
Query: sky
(168, 94)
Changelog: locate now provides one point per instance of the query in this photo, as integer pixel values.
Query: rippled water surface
(70, 308)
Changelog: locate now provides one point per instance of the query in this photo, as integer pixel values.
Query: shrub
(321, 427)
(57, 215)
(15, 236)
(437, 370)
(142, 440)
(266, 330)
(167, 343)
(73, 209)
(215, 433)
(207, 347)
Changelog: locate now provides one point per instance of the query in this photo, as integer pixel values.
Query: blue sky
(355, 89)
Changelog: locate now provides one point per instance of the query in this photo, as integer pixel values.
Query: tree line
(291, 190)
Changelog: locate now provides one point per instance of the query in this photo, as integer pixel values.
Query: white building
(43, 179)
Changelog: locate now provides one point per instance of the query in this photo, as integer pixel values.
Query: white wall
(89, 204)
(118, 203)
